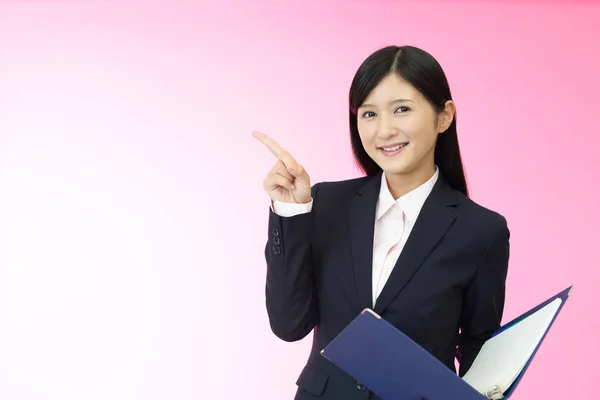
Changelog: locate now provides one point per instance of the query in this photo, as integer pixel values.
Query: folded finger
(274, 181)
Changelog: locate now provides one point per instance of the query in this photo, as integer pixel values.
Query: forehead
(391, 88)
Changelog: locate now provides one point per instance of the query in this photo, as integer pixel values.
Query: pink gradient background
(132, 217)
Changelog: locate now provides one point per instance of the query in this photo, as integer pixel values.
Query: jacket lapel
(361, 214)
(435, 218)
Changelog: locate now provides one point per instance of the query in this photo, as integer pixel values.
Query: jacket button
(276, 241)
(277, 250)
(360, 387)
(276, 231)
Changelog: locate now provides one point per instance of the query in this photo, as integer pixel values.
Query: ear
(446, 117)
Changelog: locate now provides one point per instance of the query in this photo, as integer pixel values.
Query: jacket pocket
(312, 380)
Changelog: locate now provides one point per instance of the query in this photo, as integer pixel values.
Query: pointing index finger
(270, 143)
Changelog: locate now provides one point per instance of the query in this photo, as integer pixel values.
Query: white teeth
(394, 148)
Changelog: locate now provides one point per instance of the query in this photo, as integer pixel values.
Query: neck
(401, 184)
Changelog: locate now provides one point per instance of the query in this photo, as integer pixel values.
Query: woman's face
(398, 127)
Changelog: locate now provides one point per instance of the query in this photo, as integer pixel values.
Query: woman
(405, 240)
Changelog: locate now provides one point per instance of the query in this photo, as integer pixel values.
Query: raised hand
(287, 181)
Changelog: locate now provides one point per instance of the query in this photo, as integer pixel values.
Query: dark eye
(368, 114)
(402, 109)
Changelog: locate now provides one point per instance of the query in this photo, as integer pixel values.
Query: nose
(387, 127)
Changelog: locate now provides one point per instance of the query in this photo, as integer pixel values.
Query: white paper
(503, 357)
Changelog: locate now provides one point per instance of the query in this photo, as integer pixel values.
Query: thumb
(300, 175)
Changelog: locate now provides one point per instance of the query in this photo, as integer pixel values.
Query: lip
(393, 153)
(391, 145)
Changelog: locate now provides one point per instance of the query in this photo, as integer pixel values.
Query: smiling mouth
(392, 149)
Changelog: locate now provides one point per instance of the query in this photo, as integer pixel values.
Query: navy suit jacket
(446, 291)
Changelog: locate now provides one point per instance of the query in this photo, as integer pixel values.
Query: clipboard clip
(494, 393)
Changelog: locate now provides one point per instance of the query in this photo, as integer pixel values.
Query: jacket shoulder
(478, 216)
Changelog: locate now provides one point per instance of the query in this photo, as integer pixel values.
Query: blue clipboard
(394, 367)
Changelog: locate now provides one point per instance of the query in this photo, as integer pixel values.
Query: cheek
(430, 136)
(366, 133)
(422, 132)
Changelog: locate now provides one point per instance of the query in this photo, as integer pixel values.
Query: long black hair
(422, 71)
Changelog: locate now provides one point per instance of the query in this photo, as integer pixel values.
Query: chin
(404, 169)
(396, 168)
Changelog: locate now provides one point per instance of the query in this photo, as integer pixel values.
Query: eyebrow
(391, 102)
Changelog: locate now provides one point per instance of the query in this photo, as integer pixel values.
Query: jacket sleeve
(483, 304)
(290, 287)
